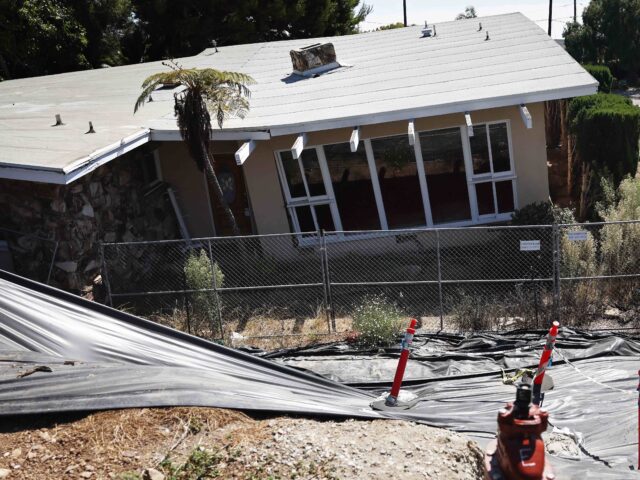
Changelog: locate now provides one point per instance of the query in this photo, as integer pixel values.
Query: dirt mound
(190, 443)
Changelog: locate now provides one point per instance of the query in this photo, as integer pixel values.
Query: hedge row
(602, 74)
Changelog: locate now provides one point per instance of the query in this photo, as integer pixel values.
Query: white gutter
(436, 110)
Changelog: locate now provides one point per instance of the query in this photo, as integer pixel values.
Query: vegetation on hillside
(41, 37)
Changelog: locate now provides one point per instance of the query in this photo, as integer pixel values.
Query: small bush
(472, 312)
(542, 213)
(199, 274)
(377, 322)
(602, 74)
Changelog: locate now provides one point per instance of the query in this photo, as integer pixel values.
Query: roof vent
(428, 31)
(314, 59)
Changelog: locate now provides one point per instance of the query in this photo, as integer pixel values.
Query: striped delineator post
(392, 398)
(544, 361)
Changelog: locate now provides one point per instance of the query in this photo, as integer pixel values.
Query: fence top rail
(361, 233)
(210, 239)
(599, 224)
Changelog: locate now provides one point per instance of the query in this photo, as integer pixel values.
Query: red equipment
(544, 361)
(392, 398)
(518, 451)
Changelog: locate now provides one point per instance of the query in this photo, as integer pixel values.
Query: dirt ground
(202, 443)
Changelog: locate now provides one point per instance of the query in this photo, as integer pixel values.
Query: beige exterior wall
(263, 183)
(529, 152)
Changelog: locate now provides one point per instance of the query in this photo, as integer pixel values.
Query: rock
(110, 237)
(87, 211)
(69, 267)
(128, 237)
(152, 474)
(4, 473)
(16, 453)
(76, 188)
(86, 474)
(59, 206)
(92, 265)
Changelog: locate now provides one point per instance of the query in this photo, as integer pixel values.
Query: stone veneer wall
(112, 204)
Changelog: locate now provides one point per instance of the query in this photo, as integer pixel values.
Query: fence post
(439, 279)
(53, 261)
(215, 291)
(555, 234)
(105, 275)
(324, 258)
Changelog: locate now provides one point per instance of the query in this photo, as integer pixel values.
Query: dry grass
(107, 444)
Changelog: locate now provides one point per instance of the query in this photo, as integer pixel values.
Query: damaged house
(424, 126)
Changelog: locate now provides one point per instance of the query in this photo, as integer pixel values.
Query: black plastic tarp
(103, 359)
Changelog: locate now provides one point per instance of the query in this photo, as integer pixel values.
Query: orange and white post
(544, 361)
(392, 398)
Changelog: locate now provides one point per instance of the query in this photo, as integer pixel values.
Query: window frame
(291, 203)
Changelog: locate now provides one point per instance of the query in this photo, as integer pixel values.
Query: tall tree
(610, 33)
(175, 29)
(40, 37)
(224, 93)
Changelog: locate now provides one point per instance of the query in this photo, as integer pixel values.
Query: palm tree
(207, 89)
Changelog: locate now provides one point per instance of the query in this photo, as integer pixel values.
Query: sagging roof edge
(104, 155)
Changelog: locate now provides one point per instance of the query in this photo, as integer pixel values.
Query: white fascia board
(526, 116)
(434, 111)
(219, 135)
(411, 131)
(355, 139)
(467, 119)
(298, 145)
(244, 151)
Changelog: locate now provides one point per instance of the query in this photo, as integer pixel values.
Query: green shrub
(377, 322)
(199, 274)
(607, 129)
(542, 213)
(472, 312)
(602, 74)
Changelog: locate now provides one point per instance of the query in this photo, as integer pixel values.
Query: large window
(493, 175)
(352, 188)
(448, 178)
(444, 168)
(399, 184)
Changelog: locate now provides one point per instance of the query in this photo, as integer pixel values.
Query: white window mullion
(328, 187)
(422, 177)
(486, 129)
(495, 198)
(375, 182)
(304, 177)
(468, 168)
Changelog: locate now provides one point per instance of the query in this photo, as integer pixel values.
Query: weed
(377, 322)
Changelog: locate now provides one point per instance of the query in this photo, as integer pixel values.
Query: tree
(392, 26)
(40, 37)
(225, 93)
(175, 29)
(609, 34)
(469, 12)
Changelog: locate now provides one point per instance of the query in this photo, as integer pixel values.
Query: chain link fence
(451, 279)
(27, 255)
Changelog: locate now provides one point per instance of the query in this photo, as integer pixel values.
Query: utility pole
(550, 14)
(575, 11)
(404, 8)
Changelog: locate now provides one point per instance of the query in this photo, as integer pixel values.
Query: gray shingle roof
(387, 75)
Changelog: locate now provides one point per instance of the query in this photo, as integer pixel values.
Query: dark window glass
(484, 193)
(352, 187)
(446, 180)
(293, 175)
(312, 172)
(305, 220)
(480, 150)
(499, 147)
(398, 176)
(504, 195)
(323, 215)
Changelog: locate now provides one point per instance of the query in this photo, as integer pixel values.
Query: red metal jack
(392, 398)
(518, 451)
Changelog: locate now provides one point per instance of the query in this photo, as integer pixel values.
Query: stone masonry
(114, 203)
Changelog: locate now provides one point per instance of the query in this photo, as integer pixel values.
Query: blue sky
(390, 11)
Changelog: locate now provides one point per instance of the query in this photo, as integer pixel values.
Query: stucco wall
(529, 151)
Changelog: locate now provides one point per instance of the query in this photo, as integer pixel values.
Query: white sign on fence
(529, 245)
(578, 236)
